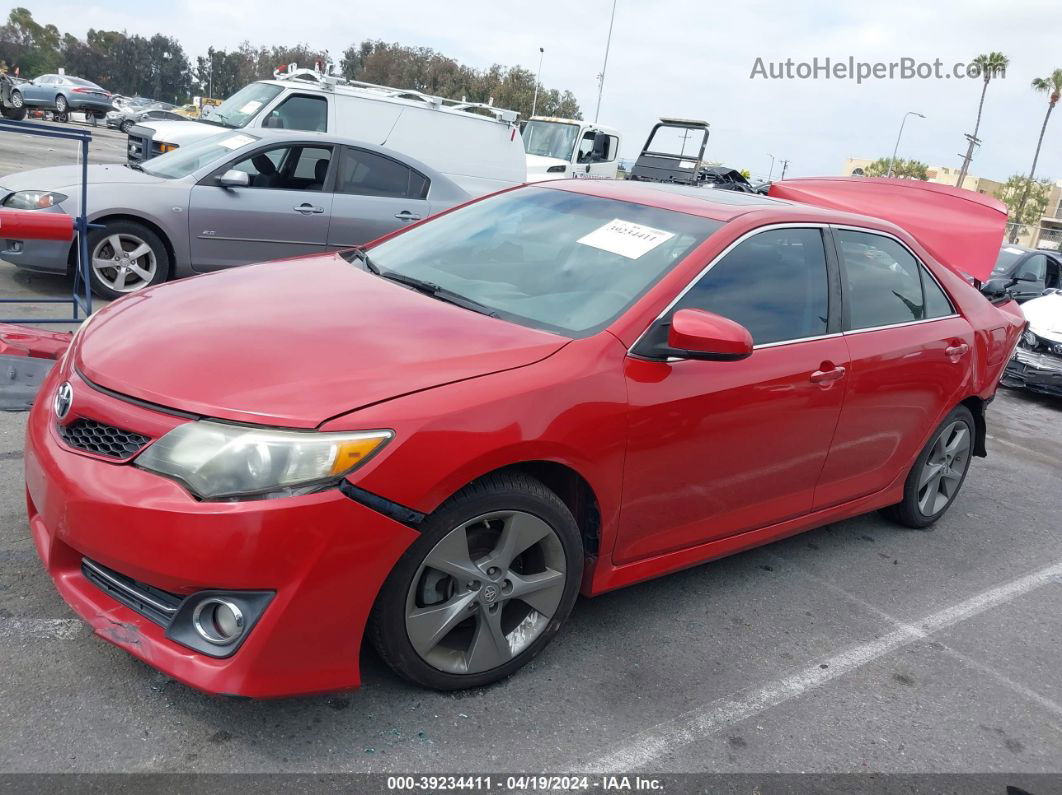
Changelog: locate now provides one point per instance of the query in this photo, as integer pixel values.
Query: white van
(559, 148)
(477, 145)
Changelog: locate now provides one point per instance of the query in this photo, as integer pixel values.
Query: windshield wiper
(420, 285)
(134, 166)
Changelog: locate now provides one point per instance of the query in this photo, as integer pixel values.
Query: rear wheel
(125, 257)
(60, 104)
(487, 585)
(938, 473)
(14, 113)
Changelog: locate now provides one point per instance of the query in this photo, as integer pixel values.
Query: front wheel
(938, 473)
(16, 99)
(488, 584)
(14, 113)
(126, 256)
(126, 126)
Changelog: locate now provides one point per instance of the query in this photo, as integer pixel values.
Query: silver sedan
(231, 199)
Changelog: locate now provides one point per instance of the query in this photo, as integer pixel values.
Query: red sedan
(439, 442)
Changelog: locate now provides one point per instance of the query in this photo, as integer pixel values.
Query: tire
(126, 126)
(938, 473)
(63, 118)
(150, 267)
(16, 99)
(61, 104)
(14, 114)
(482, 519)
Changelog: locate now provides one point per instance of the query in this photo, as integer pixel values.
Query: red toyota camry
(437, 443)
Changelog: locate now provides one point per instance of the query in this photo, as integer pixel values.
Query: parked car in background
(125, 119)
(1037, 361)
(189, 111)
(1025, 273)
(62, 93)
(475, 144)
(438, 442)
(233, 198)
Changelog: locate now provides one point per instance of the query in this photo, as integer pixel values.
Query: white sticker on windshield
(236, 141)
(251, 106)
(1013, 250)
(626, 238)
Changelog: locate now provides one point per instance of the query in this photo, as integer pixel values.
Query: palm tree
(991, 65)
(1052, 86)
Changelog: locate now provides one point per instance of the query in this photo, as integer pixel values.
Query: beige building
(943, 175)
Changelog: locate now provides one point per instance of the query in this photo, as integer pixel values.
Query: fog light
(218, 621)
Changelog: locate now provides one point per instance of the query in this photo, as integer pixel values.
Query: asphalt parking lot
(856, 647)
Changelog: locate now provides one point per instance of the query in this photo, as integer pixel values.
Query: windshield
(182, 162)
(550, 139)
(242, 106)
(547, 258)
(1007, 257)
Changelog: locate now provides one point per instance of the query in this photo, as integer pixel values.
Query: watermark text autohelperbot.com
(852, 69)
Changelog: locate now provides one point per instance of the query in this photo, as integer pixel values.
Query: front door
(719, 448)
(284, 212)
(910, 354)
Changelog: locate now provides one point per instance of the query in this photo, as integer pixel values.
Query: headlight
(217, 461)
(1029, 338)
(33, 199)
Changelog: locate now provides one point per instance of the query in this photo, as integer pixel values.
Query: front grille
(152, 603)
(95, 437)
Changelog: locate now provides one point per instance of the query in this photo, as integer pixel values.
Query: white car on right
(1037, 361)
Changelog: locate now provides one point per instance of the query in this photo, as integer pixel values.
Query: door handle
(956, 352)
(827, 376)
(406, 215)
(307, 209)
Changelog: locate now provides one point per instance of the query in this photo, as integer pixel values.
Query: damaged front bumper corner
(1038, 372)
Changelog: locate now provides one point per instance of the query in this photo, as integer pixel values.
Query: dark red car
(439, 442)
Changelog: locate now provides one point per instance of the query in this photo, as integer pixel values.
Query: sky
(694, 59)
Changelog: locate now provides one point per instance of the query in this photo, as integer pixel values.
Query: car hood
(181, 133)
(59, 177)
(1045, 316)
(293, 343)
(537, 166)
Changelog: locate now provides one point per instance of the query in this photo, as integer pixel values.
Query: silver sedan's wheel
(16, 99)
(60, 103)
(944, 468)
(485, 592)
(123, 262)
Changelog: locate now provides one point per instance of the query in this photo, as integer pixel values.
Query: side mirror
(600, 150)
(994, 289)
(234, 179)
(1027, 277)
(696, 334)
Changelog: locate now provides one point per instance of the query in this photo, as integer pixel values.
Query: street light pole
(771, 172)
(534, 102)
(604, 66)
(895, 148)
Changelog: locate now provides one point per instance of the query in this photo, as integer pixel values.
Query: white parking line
(696, 724)
(57, 628)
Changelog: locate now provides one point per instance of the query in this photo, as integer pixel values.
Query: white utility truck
(559, 148)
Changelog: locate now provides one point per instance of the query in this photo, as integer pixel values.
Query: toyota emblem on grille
(64, 397)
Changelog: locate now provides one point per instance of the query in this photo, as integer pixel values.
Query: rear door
(720, 448)
(910, 355)
(374, 194)
(284, 212)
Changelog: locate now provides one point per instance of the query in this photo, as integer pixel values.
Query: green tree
(901, 169)
(28, 46)
(993, 64)
(1036, 193)
(1052, 86)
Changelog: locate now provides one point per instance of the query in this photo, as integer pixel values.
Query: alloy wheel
(943, 471)
(60, 103)
(124, 262)
(485, 592)
(16, 99)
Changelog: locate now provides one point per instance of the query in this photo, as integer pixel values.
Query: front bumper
(323, 555)
(44, 256)
(1039, 372)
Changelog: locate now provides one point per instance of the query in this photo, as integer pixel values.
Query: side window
(775, 284)
(937, 303)
(363, 173)
(299, 112)
(287, 167)
(1035, 265)
(586, 149)
(883, 285)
